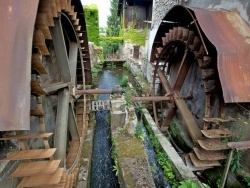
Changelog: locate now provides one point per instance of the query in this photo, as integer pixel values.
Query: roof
(231, 39)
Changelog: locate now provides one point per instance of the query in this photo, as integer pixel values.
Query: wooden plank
(45, 6)
(41, 23)
(217, 133)
(219, 120)
(208, 155)
(199, 163)
(182, 72)
(39, 42)
(36, 113)
(27, 136)
(37, 89)
(225, 173)
(61, 184)
(31, 154)
(164, 81)
(37, 63)
(58, 6)
(239, 145)
(213, 144)
(190, 122)
(169, 117)
(42, 180)
(36, 168)
(191, 166)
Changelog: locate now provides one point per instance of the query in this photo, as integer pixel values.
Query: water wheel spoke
(61, 51)
(182, 72)
(73, 50)
(72, 123)
(187, 116)
(61, 128)
(169, 117)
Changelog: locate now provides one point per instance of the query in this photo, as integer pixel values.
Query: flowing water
(102, 174)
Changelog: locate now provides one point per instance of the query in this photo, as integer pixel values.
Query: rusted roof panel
(16, 34)
(231, 37)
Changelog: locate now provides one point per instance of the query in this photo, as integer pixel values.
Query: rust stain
(231, 37)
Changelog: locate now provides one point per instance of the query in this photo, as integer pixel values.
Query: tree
(113, 21)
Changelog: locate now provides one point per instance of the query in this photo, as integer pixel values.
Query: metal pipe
(115, 90)
(156, 99)
(94, 91)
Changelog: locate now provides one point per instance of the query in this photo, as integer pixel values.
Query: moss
(86, 150)
(126, 147)
(92, 22)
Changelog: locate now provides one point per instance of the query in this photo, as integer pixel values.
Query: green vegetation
(139, 132)
(135, 36)
(107, 118)
(111, 42)
(162, 158)
(122, 130)
(128, 95)
(92, 22)
(95, 70)
(235, 164)
(113, 21)
(188, 184)
(124, 81)
(114, 155)
(247, 180)
(99, 52)
(112, 39)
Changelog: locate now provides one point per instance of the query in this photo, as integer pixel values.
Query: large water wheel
(50, 151)
(186, 71)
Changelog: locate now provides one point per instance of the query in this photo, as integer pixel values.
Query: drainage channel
(102, 174)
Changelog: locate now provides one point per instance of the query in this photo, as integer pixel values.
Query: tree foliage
(113, 21)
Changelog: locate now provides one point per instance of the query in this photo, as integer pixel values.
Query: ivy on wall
(112, 39)
(135, 36)
(92, 22)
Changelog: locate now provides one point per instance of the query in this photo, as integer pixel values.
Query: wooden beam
(60, 48)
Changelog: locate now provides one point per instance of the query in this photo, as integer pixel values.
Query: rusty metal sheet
(230, 35)
(17, 20)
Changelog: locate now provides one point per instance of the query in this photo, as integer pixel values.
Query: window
(136, 52)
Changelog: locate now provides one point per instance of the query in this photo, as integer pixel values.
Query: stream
(102, 174)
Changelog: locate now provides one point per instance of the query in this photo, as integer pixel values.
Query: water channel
(102, 175)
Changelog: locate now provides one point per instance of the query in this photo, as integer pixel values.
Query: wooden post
(224, 176)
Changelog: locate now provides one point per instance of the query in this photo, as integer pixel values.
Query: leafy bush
(124, 81)
(188, 184)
